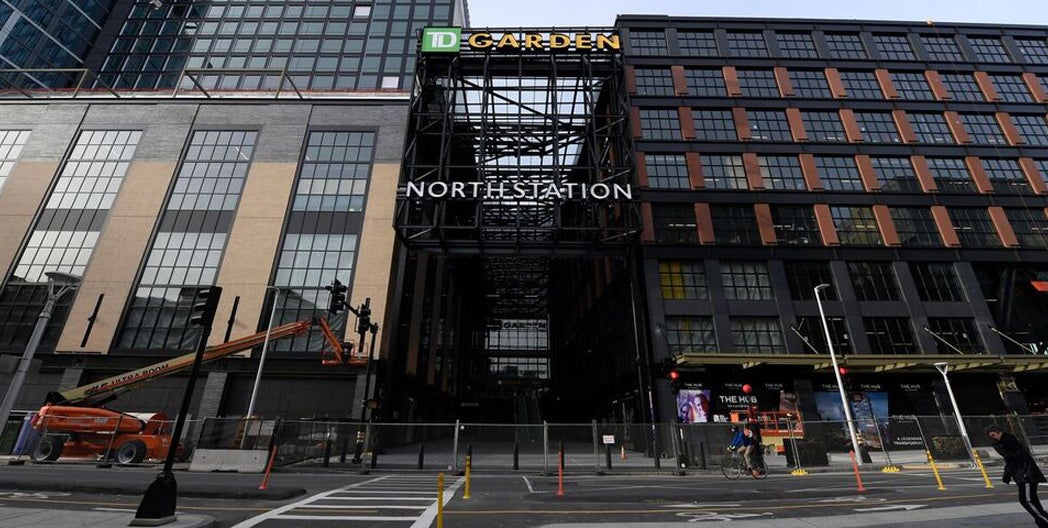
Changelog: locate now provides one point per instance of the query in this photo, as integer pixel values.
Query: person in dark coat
(1020, 466)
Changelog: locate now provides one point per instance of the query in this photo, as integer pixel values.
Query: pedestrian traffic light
(338, 297)
(205, 306)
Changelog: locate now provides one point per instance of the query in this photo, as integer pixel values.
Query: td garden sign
(450, 40)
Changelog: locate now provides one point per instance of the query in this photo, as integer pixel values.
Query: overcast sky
(541, 13)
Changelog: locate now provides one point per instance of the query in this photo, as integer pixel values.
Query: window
(648, 43)
(724, 172)
(667, 171)
(335, 174)
(682, 280)
(803, 276)
(937, 282)
(983, 129)
(691, 335)
(962, 87)
(757, 335)
(782, 173)
(674, 223)
(878, 127)
(747, 44)
(958, 332)
(795, 225)
(11, 143)
(714, 125)
(1033, 128)
(839, 173)
(735, 225)
(942, 48)
(1007, 176)
(951, 175)
(989, 49)
(824, 126)
(660, 124)
(915, 226)
(912, 86)
(796, 45)
(861, 85)
(1035, 50)
(769, 125)
(697, 43)
(897, 174)
(1030, 226)
(654, 81)
(856, 226)
(758, 83)
(810, 84)
(1011, 88)
(845, 46)
(889, 335)
(974, 227)
(874, 281)
(931, 128)
(811, 328)
(747, 281)
(706, 83)
(894, 47)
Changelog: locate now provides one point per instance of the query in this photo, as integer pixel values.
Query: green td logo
(441, 40)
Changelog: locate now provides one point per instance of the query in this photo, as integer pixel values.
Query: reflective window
(894, 47)
(1007, 176)
(942, 48)
(723, 172)
(1034, 50)
(11, 143)
(812, 329)
(1032, 128)
(974, 227)
(335, 172)
(705, 82)
(674, 223)
(1011, 88)
(896, 174)
(782, 173)
(691, 335)
(758, 83)
(931, 128)
(769, 125)
(951, 175)
(796, 45)
(989, 49)
(748, 281)
(747, 44)
(660, 124)
(958, 332)
(962, 87)
(916, 227)
(795, 225)
(845, 46)
(861, 85)
(839, 173)
(735, 225)
(878, 127)
(912, 86)
(667, 171)
(697, 43)
(803, 276)
(937, 281)
(983, 129)
(856, 226)
(682, 279)
(874, 281)
(654, 81)
(757, 335)
(1029, 225)
(889, 335)
(648, 43)
(714, 125)
(824, 126)
(810, 84)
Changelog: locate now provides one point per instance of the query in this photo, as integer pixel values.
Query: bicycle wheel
(761, 472)
(731, 466)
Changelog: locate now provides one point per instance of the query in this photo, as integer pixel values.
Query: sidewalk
(38, 518)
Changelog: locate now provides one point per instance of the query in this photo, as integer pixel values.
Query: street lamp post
(262, 359)
(837, 373)
(943, 367)
(64, 283)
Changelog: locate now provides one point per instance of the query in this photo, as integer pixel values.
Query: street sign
(608, 439)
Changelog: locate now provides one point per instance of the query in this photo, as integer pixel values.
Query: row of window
(832, 126)
(840, 45)
(764, 335)
(854, 84)
(842, 173)
(855, 225)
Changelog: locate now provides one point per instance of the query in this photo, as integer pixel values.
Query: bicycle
(733, 466)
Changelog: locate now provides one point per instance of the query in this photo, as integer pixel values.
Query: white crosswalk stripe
(394, 501)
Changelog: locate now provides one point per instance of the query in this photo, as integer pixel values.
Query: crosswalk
(395, 501)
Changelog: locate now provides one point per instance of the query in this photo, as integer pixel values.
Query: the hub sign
(449, 40)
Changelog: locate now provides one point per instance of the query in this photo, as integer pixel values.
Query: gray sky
(541, 13)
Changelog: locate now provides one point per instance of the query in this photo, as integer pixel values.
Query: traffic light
(673, 375)
(364, 318)
(205, 306)
(338, 297)
(843, 371)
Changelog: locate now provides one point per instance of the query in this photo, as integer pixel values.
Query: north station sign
(449, 40)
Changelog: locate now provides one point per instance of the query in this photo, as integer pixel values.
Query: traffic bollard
(935, 470)
(421, 456)
(978, 462)
(516, 456)
(607, 455)
(858, 478)
(469, 465)
(440, 500)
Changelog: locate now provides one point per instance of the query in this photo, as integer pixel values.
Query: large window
(811, 328)
(889, 335)
(912, 86)
(697, 43)
(874, 281)
(974, 227)
(916, 227)
(758, 83)
(931, 128)
(667, 171)
(648, 43)
(757, 335)
(1011, 88)
(958, 332)
(674, 223)
(723, 172)
(845, 46)
(810, 84)
(861, 85)
(824, 126)
(1007, 176)
(747, 281)
(962, 87)
(1030, 226)
(795, 225)
(705, 82)
(951, 175)
(735, 225)
(714, 125)
(11, 143)
(1035, 50)
(660, 124)
(897, 174)
(878, 127)
(856, 226)
(803, 276)
(937, 281)
(983, 129)
(894, 47)
(682, 280)
(1033, 128)
(654, 81)
(782, 173)
(769, 125)
(691, 335)
(989, 49)
(839, 173)
(796, 45)
(747, 44)
(942, 48)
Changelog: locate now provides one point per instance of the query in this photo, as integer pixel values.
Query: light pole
(58, 284)
(837, 373)
(943, 367)
(262, 358)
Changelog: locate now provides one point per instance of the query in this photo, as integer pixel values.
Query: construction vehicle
(75, 423)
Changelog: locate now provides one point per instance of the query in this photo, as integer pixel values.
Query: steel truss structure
(538, 117)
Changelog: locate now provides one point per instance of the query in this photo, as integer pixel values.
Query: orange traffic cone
(622, 453)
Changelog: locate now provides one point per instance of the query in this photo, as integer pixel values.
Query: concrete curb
(88, 519)
(274, 493)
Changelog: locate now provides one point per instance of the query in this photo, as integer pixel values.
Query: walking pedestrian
(1020, 466)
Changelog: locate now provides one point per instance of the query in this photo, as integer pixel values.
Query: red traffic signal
(843, 371)
(673, 375)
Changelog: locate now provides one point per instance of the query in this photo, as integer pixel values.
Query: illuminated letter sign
(448, 40)
(441, 40)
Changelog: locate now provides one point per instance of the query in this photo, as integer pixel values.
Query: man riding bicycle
(744, 441)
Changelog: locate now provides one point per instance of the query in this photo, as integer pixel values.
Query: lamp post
(262, 358)
(943, 367)
(837, 373)
(58, 284)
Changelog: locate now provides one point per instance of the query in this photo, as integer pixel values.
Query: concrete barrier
(241, 461)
